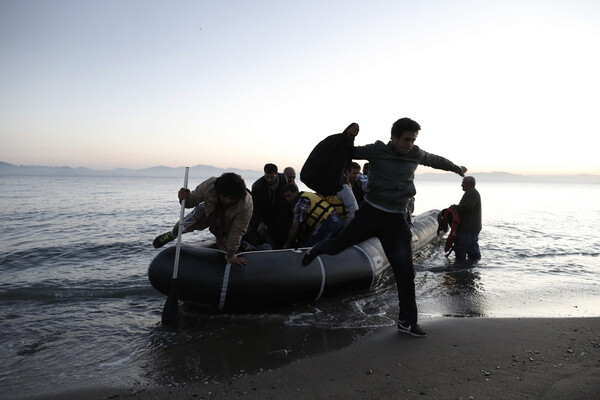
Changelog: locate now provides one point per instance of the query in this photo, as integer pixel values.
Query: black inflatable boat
(275, 277)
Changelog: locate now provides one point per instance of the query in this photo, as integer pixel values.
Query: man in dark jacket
(355, 183)
(467, 233)
(272, 214)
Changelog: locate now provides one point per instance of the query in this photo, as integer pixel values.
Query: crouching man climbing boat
(224, 206)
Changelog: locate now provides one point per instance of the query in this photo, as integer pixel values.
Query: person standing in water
(467, 232)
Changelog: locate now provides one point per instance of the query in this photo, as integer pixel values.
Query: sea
(77, 309)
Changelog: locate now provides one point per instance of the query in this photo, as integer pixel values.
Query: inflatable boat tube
(276, 277)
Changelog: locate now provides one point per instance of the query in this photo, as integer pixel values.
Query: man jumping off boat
(383, 213)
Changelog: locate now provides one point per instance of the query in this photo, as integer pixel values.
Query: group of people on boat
(274, 214)
(330, 219)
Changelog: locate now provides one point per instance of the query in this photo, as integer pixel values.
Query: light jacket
(236, 217)
(391, 173)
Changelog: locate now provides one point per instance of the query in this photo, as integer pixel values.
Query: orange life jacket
(448, 217)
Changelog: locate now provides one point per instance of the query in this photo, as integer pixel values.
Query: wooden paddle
(170, 314)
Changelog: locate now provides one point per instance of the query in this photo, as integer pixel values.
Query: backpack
(325, 166)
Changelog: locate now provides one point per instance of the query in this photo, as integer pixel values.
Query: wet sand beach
(462, 358)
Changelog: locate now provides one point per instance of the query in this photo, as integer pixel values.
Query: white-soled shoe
(411, 329)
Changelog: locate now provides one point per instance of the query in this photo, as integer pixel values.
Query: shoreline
(462, 358)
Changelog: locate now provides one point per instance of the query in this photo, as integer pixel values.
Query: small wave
(39, 345)
(362, 311)
(551, 253)
(116, 363)
(69, 254)
(53, 293)
(31, 349)
(334, 322)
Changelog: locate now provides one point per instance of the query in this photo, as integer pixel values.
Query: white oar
(170, 314)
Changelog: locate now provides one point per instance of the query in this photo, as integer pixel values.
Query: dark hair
(353, 165)
(290, 187)
(231, 185)
(270, 168)
(403, 125)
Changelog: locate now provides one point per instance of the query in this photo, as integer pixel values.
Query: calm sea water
(78, 310)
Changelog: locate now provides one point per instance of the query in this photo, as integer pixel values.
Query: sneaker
(411, 329)
(163, 239)
(308, 257)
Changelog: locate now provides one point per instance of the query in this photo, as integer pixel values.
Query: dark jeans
(395, 237)
(326, 230)
(467, 244)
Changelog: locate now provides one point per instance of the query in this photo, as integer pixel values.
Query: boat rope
(224, 286)
(373, 272)
(322, 279)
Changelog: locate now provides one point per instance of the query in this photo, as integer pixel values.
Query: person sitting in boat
(364, 176)
(272, 216)
(224, 206)
(354, 182)
(343, 201)
(312, 214)
(290, 174)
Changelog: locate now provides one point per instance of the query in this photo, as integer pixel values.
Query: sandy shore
(460, 359)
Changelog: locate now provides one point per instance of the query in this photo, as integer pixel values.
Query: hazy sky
(496, 85)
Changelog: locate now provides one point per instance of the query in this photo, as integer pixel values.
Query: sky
(507, 86)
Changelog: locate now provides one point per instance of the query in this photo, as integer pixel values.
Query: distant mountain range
(159, 171)
(208, 170)
(508, 177)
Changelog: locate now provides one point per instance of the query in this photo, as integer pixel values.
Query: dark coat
(271, 208)
(326, 164)
(359, 192)
(469, 210)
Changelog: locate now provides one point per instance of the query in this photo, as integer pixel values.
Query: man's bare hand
(183, 193)
(236, 260)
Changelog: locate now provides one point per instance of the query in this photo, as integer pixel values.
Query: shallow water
(78, 310)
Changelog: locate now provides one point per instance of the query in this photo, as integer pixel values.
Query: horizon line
(558, 174)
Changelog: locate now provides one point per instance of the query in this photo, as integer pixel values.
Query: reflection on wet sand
(219, 348)
(448, 288)
(465, 290)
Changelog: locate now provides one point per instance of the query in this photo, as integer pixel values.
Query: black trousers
(395, 236)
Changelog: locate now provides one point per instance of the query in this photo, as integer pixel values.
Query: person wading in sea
(467, 233)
